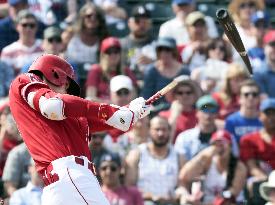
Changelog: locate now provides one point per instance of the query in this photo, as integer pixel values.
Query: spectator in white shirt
(27, 48)
(194, 52)
(31, 193)
(177, 28)
(90, 30)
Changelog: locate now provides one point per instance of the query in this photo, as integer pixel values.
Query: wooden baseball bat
(167, 88)
(233, 35)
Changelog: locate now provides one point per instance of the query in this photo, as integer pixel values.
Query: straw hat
(266, 186)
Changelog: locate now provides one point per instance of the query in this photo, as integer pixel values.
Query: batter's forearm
(115, 116)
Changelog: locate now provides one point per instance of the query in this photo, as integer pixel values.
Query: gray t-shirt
(16, 167)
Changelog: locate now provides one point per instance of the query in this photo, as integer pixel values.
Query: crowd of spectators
(209, 141)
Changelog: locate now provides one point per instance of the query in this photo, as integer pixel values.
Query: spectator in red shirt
(9, 136)
(257, 149)
(99, 76)
(182, 113)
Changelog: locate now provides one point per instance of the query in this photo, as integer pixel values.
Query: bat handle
(153, 98)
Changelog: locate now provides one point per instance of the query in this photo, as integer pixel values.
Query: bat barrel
(222, 13)
(233, 35)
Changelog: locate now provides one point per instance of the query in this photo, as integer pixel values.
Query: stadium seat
(119, 29)
(206, 1)
(209, 9)
(161, 11)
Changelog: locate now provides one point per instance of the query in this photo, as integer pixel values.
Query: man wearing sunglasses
(110, 171)
(192, 141)
(52, 41)
(27, 48)
(246, 120)
(8, 32)
(122, 91)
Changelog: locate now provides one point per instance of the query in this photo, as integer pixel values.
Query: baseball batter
(55, 124)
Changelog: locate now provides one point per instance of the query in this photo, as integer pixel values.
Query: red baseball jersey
(252, 146)
(48, 139)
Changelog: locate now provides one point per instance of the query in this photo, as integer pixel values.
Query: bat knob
(222, 13)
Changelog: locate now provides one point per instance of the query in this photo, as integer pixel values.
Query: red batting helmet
(56, 70)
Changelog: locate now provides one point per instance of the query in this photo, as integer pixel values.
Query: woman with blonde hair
(214, 176)
(110, 65)
(90, 30)
(228, 97)
(241, 11)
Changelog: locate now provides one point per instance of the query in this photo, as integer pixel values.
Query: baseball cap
(193, 17)
(166, 42)
(269, 37)
(52, 32)
(14, 2)
(24, 14)
(120, 81)
(140, 11)
(221, 135)
(182, 2)
(110, 157)
(266, 104)
(260, 15)
(192, 84)
(207, 104)
(109, 43)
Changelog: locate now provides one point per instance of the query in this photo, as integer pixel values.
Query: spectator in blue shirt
(260, 20)
(245, 120)
(265, 77)
(6, 76)
(163, 71)
(31, 193)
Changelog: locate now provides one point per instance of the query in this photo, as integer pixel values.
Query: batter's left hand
(139, 108)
